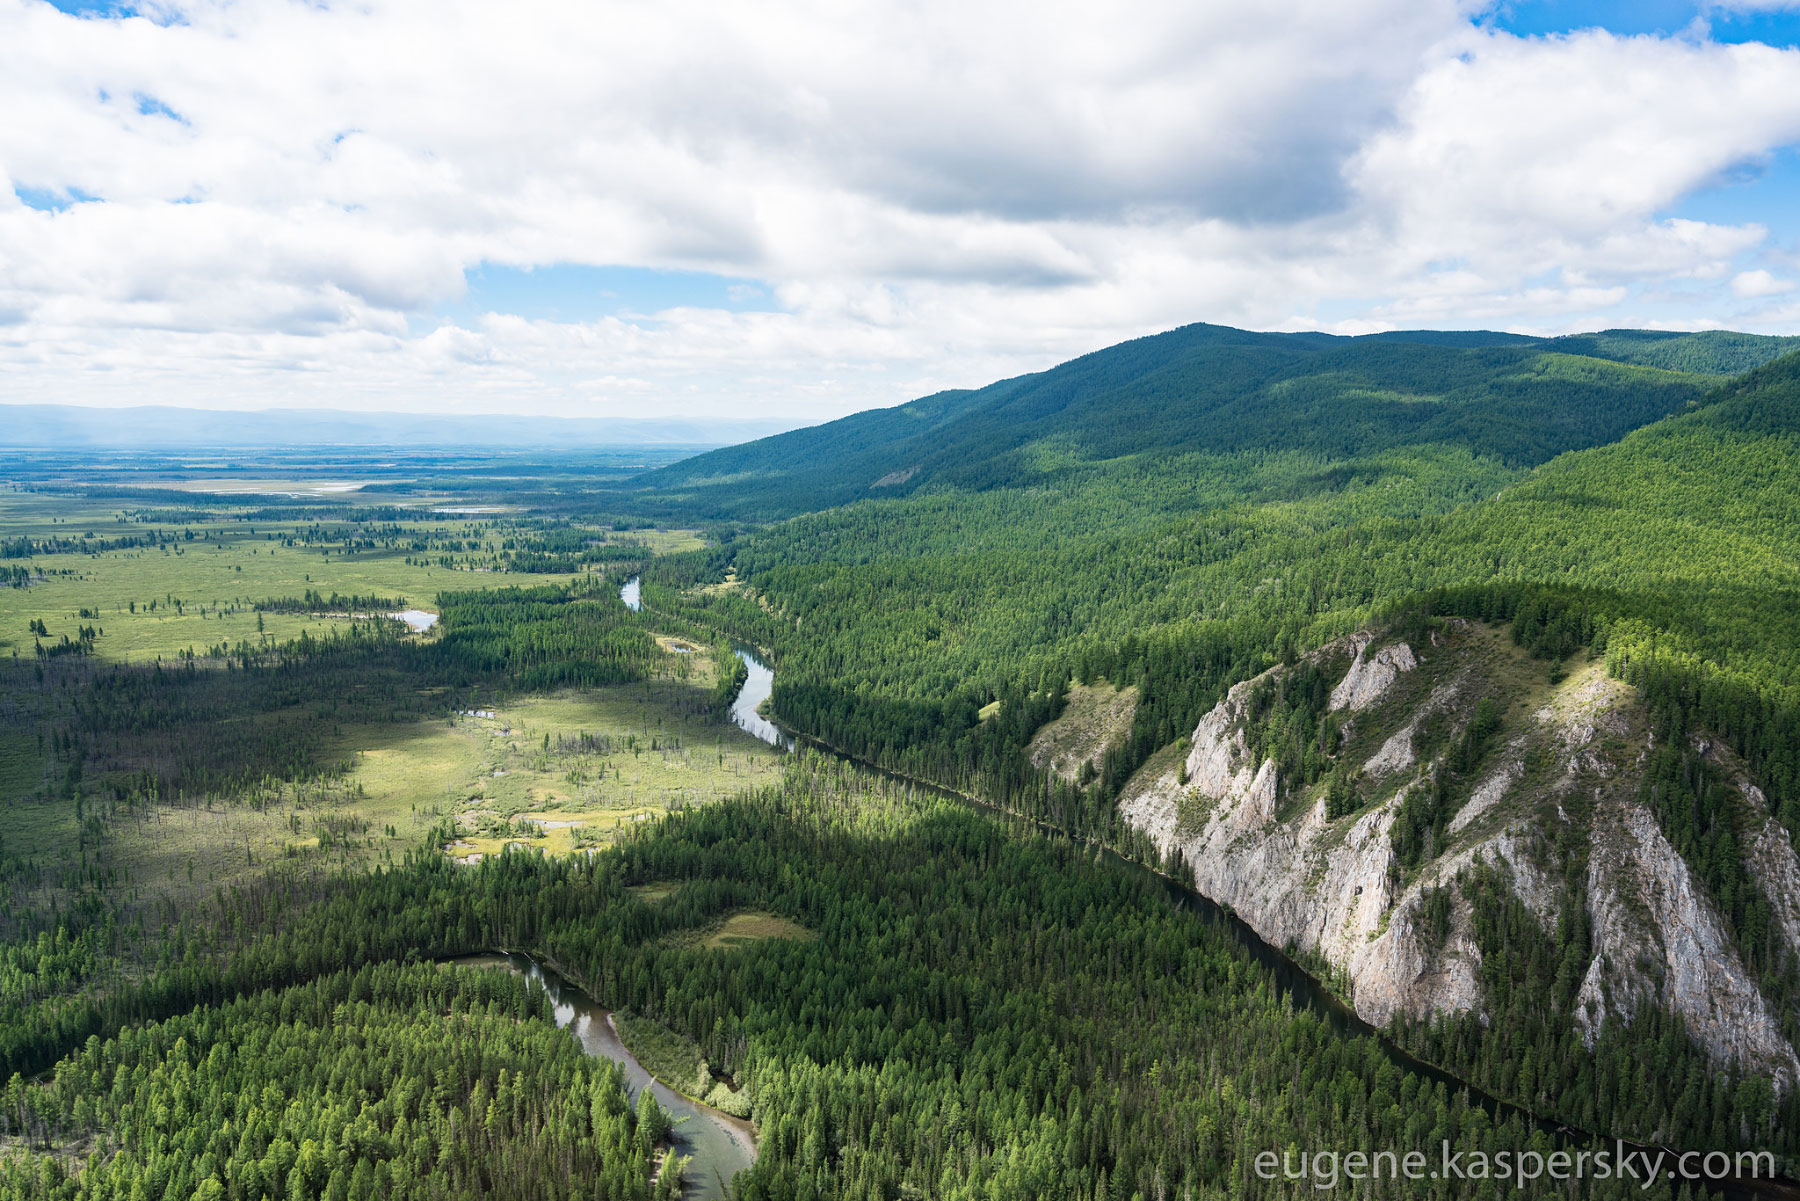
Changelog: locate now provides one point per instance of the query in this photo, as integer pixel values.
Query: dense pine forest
(965, 973)
(1133, 1048)
(386, 1081)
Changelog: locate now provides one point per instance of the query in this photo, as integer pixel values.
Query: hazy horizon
(163, 427)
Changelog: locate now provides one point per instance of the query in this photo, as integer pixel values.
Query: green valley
(1459, 669)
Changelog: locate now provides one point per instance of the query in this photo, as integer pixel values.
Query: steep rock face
(1681, 958)
(1770, 855)
(1773, 861)
(1304, 882)
(1369, 677)
(1490, 792)
(1398, 752)
(1563, 771)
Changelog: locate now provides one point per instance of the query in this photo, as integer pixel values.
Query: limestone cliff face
(1681, 957)
(1370, 676)
(1563, 771)
(1772, 860)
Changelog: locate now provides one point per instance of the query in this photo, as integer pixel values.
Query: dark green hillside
(897, 620)
(1518, 405)
(1702, 505)
(1211, 389)
(897, 624)
(842, 460)
(1709, 352)
(1466, 338)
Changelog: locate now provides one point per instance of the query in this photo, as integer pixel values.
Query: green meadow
(559, 771)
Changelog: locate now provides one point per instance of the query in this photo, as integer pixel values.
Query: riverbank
(678, 1062)
(716, 1144)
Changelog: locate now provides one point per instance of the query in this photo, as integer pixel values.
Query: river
(719, 1146)
(746, 709)
(758, 684)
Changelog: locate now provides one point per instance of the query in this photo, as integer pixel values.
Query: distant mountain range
(1209, 388)
(165, 428)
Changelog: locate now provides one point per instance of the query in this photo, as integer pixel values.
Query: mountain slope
(1695, 520)
(1212, 389)
(1599, 873)
(838, 462)
(1709, 352)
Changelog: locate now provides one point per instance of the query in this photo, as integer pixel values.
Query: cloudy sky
(793, 209)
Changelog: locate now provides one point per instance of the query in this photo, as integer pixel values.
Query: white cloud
(1752, 284)
(935, 194)
(1563, 150)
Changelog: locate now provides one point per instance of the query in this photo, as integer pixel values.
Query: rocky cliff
(1553, 777)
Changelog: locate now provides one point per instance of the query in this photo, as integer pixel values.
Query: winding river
(718, 1145)
(746, 709)
(1305, 991)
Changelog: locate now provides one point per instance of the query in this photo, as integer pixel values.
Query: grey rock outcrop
(1680, 957)
(1371, 676)
(1334, 888)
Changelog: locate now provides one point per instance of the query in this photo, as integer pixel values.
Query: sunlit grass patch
(202, 589)
(561, 772)
(742, 929)
(1095, 718)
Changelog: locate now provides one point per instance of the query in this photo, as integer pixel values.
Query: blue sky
(790, 212)
(1766, 192)
(1654, 17)
(575, 292)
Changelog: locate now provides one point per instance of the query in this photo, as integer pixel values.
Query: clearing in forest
(742, 929)
(1094, 719)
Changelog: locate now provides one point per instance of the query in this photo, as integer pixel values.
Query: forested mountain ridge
(1212, 389)
(951, 597)
(1659, 578)
(1693, 524)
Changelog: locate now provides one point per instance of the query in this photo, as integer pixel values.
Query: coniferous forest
(253, 814)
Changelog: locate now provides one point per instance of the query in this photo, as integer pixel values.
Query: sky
(794, 209)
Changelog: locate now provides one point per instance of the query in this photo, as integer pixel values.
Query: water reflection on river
(757, 685)
(719, 1145)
